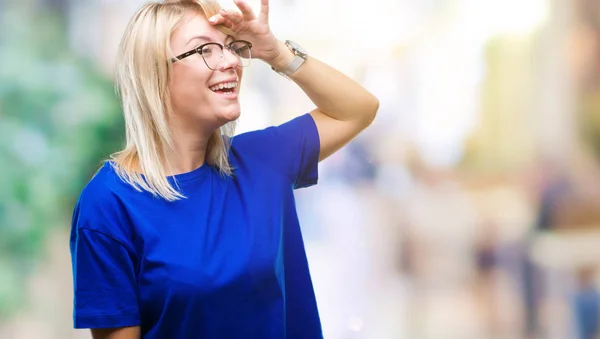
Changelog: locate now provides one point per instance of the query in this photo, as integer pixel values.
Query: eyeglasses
(213, 53)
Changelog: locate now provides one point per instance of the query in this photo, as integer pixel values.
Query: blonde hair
(142, 76)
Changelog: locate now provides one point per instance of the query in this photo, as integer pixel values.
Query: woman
(188, 233)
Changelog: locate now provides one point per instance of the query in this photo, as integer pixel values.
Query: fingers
(216, 19)
(219, 19)
(233, 16)
(246, 10)
(263, 16)
(245, 14)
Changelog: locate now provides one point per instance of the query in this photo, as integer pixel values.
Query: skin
(343, 107)
(198, 110)
(117, 333)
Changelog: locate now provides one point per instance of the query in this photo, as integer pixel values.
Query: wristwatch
(299, 58)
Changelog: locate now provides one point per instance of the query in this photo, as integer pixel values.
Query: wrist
(284, 57)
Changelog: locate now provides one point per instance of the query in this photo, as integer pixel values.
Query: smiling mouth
(225, 88)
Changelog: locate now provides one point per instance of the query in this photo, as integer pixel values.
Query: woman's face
(196, 95)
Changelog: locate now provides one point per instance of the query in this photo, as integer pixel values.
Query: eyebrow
(206, 38)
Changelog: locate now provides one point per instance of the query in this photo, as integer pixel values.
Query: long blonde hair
(142, 76)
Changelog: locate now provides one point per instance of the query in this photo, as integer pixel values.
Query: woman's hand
(246, 26)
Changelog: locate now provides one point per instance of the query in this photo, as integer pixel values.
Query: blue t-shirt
(228, 261)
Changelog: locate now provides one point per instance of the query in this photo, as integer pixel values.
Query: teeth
(224, 85)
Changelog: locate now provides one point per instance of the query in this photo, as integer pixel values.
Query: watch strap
(292, 67)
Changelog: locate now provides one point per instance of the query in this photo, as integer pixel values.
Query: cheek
(187, 86)
(240, 73)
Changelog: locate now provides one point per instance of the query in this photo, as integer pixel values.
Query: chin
(231, 114)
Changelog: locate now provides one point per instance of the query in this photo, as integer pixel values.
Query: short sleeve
(104, 279)
(292, 147)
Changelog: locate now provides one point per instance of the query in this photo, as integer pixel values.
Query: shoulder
(99, 206)
(290, 149)
(297, 126)
(275, 143)
(101, 190)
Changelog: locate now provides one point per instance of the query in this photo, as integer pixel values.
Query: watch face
(296, 47)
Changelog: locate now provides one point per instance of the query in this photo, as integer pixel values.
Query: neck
(186, 161)
(189, 150)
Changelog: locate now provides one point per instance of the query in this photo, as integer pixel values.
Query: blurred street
(470, 209)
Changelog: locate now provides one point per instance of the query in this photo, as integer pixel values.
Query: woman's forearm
(133, 332)
(334, 93)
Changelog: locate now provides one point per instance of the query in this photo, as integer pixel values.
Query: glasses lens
(241, 49)
(212, 55)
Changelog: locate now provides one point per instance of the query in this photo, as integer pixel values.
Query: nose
(229, 60)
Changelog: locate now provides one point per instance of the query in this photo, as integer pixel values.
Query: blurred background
(469, 209)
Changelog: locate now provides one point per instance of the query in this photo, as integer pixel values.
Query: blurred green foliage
(59, 118)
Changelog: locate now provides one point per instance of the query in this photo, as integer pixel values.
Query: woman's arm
(133, 332)
(344, 108)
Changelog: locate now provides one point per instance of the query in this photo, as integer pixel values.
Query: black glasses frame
(199, 50)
